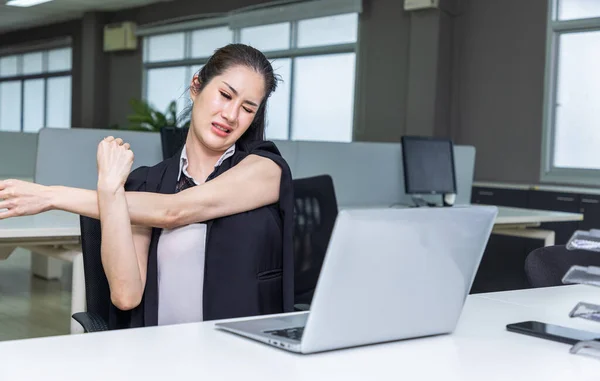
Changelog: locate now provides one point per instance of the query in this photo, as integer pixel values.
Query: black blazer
(249, 264)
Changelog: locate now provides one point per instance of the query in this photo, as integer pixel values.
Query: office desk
(519, 222)
(515, 222)
(54, 234)
(480, 349)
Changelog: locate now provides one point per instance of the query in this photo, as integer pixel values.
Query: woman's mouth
(220, 129)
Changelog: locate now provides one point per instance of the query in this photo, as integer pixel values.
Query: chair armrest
(301, 307)
(90, 321)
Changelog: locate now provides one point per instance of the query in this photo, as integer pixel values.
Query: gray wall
(500, 71)
(17, 155)
(382, 66)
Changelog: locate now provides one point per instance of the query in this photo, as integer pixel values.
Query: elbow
(172, 219)
(126, 301)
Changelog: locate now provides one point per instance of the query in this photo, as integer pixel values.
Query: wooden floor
(30, 306)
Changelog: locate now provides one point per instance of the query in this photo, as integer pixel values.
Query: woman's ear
(195, 86)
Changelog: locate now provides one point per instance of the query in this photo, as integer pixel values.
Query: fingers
(5, 184)
(5, 194)
(4, 214)
(118, 141)
(7, 210)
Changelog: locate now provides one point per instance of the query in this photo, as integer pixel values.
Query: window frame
(238, 20)
(45, 75)
(555, 28)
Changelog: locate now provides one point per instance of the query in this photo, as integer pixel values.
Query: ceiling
(12, 18)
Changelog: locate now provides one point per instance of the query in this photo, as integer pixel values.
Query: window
(171, 60)
(315, 57)
(571, 120)
(35, 90)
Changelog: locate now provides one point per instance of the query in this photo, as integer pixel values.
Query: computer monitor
(428, 167)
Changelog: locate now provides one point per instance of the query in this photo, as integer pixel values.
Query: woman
(204, 235)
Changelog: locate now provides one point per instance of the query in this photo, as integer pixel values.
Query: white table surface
(509, 215)
(48, 224)
(506, 215)
(479, 349)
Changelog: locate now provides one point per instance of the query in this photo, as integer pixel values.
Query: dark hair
(234, 55)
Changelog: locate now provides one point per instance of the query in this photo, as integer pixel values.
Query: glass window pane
(166, 47)
(10, 106)
(32, 63)
(323, 103)
(194, 70)
(577, 136)
(59, 59)
(166, 85)
(331, 30)
(206, 41)
(8, 66)
(578, 9)
(267, 38)
(33, 106)
(278, 106)
(58, 107)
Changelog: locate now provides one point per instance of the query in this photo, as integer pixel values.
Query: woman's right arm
(124, 247)
(124, 250)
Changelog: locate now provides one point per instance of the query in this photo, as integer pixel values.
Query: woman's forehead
(243, 79)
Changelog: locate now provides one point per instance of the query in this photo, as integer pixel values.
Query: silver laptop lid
(391, 274)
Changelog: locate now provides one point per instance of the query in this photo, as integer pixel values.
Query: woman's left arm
(251, 184)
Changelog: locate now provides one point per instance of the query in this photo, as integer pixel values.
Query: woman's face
(226, 107)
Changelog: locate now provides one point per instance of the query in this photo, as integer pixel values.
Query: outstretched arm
(253, 183)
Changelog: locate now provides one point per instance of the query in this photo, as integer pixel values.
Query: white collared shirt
(183, 162)
(180, 256)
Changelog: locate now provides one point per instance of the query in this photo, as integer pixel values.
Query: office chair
(172, 139)
(97, 292)
(546, 266)
(315, 212)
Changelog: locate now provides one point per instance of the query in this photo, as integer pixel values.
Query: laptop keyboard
(289, 333)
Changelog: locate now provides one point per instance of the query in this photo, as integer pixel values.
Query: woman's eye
(225, 95)
(248, 110)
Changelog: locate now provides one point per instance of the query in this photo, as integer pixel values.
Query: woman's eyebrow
(236, 93)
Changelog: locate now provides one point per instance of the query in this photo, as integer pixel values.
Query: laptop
(389, 274)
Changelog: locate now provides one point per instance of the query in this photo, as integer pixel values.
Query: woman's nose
(229, 113)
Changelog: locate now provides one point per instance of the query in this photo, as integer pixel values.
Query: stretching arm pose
(229, 97)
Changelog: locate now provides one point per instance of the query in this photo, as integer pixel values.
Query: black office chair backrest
(546, 266)
(315, 212)
(97, 291)
(172, 139)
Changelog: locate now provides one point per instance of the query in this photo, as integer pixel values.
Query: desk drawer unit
(500, 197)
(560, 202)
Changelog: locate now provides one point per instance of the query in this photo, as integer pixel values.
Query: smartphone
(552, 332)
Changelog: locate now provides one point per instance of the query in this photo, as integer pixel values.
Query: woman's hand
(114, 160)
(23, 198)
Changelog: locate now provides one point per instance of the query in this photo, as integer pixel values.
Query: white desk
(515, 222)
(57, 234)
(479, 349)
(518, 222)
(54, 234)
